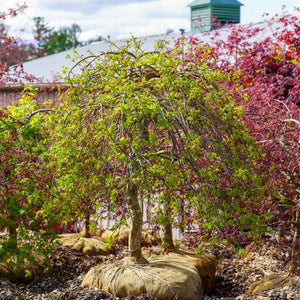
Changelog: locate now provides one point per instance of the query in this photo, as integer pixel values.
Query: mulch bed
(234, 275)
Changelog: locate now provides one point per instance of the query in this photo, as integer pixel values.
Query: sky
(119, 19)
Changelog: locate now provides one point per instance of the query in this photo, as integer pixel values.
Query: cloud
(89, 7)
(116, 18)
(137, 18)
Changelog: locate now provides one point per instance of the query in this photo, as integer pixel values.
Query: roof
(49, 67)
(227, 2)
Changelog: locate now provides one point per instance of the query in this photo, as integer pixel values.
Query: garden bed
(234, 275)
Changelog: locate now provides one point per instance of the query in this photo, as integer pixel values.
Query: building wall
(201, 16)
(204, 14)
(225, 13)
(12, 93)
(7, 97)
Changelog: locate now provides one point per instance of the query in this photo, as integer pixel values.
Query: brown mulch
(234, 275)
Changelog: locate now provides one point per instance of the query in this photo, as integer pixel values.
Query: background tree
(16, 50)
(273, 116)
(24, 185)
(12, 51)
(42, 34)
(63, 39)
(97, 39)
(23, 182)
(269, 75)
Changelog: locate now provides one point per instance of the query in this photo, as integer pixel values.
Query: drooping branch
(42, 110)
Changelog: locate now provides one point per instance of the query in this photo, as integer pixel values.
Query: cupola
(224, 11)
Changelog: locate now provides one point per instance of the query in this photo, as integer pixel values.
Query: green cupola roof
(223, 11)
(227, 2)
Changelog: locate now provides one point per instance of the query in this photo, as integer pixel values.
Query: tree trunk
(168, 235)
(135, 234)
(12, 231)
(86, 227)
(11, 228)
(295, 264)
(181, 217)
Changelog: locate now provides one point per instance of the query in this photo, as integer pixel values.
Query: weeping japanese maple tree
(157, 125)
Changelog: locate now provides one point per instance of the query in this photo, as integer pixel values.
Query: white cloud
(99, 17)
(119, 18)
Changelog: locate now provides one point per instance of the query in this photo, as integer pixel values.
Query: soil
(235, 273)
